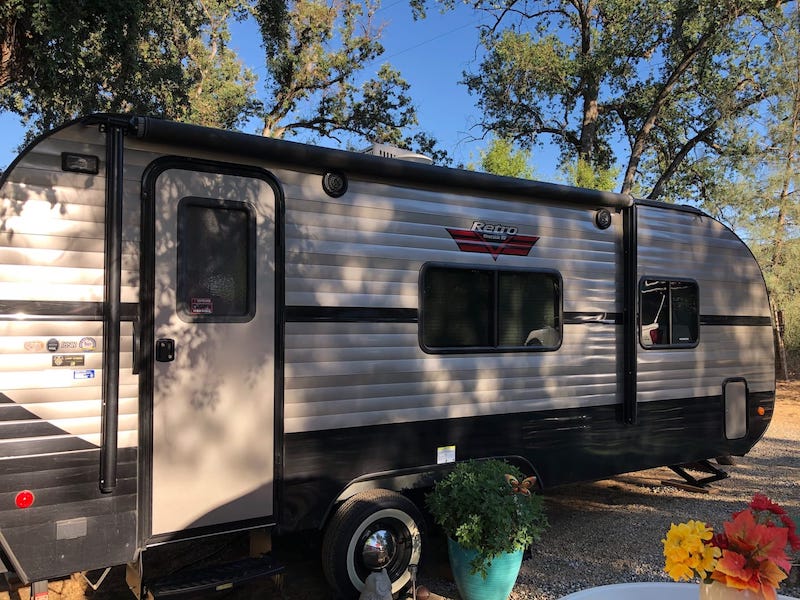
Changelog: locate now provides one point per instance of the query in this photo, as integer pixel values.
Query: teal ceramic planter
(497, 585)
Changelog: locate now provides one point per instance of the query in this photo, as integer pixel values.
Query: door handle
(165, 350)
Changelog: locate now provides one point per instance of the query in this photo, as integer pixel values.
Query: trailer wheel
(372, 530)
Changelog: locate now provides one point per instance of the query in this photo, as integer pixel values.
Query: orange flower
(749, 555)
(737, 572)
(759, 542)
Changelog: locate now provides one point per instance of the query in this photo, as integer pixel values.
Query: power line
(432, 39)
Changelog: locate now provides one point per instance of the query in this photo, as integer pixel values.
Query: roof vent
(387, 151)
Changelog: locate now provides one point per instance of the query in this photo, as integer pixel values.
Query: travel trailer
(205, 332)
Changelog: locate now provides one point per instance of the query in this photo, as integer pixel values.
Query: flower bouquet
(750, 554)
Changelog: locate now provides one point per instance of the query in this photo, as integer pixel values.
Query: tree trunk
(9, 47)
(591, 87)
(789, 166)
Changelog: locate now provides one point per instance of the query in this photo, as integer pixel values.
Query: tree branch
(658, 104)
(703, 136)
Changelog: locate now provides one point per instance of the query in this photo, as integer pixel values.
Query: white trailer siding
(684, 245)
(346, 375)
(367, 250)
(52, 240)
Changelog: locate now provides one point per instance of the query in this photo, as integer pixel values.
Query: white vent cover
(388, 151)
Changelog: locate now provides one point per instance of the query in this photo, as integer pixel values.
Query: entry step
(702, 466)
(214, 577)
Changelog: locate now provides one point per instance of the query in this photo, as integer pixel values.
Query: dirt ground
(303, 579)
(788, 404)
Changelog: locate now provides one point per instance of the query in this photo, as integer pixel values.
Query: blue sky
(431, 54)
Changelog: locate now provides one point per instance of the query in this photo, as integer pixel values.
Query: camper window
(669, 313)
(215, 261)
(467, 309)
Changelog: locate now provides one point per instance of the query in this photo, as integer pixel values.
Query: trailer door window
(215, 260)
(489, 310)
(669, 313)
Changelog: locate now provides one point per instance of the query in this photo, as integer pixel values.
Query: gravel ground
(610, 531)
(600, 533)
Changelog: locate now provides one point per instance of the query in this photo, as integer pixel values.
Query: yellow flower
(686, 552)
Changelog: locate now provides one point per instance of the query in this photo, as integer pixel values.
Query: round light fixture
(334, 184)
(603, 218)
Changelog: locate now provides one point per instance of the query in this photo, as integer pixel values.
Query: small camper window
(669, 314)
(215, 261)
(467, 309)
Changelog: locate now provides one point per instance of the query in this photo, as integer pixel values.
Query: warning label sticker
(201, 306)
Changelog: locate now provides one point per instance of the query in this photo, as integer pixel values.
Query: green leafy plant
(487, 506)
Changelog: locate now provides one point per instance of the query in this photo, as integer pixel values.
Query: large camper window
(215, 261)
(466, 309)
(669, 313)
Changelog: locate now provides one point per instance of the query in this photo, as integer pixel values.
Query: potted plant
(489, 515)
(746, 562)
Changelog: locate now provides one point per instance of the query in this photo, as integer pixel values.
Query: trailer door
(213, 412)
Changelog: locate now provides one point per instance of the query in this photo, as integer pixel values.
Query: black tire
(355, 521)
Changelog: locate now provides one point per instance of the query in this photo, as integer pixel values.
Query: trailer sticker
(34, 346)
(52, 345)
(87, 374)
(493, 238)
(201, 306)
(445, 454)
(88, 344)
(68, 360)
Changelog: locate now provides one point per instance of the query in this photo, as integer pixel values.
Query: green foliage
(174, 60)
(502, 159)
(156, 57)
(476, 506)
(222, 90)
(424, 144)
(667, 76)
(312, 71)
(755, 185)
(583, 174)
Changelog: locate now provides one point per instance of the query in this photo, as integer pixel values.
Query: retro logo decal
(494, 239)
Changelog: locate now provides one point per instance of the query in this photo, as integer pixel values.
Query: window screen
(669, 313)
(458, 306)
(489, 309)
(215, 260)
(528, 309)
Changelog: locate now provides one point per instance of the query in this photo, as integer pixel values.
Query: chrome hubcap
(378, 550)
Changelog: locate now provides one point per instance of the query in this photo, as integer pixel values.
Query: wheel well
(403, 480)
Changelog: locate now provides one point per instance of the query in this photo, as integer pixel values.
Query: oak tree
(177, 60)
(663, 77)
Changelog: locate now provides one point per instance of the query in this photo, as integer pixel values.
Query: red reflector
(654, 335)
(25, 499)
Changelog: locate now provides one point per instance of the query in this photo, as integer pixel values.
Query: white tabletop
(661, 590)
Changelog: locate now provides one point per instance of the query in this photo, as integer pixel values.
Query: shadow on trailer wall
(206, 332)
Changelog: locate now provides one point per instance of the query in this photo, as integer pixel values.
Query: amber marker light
(25, 499)
(760, 410)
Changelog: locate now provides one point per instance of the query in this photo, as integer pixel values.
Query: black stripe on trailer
(564, 446)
